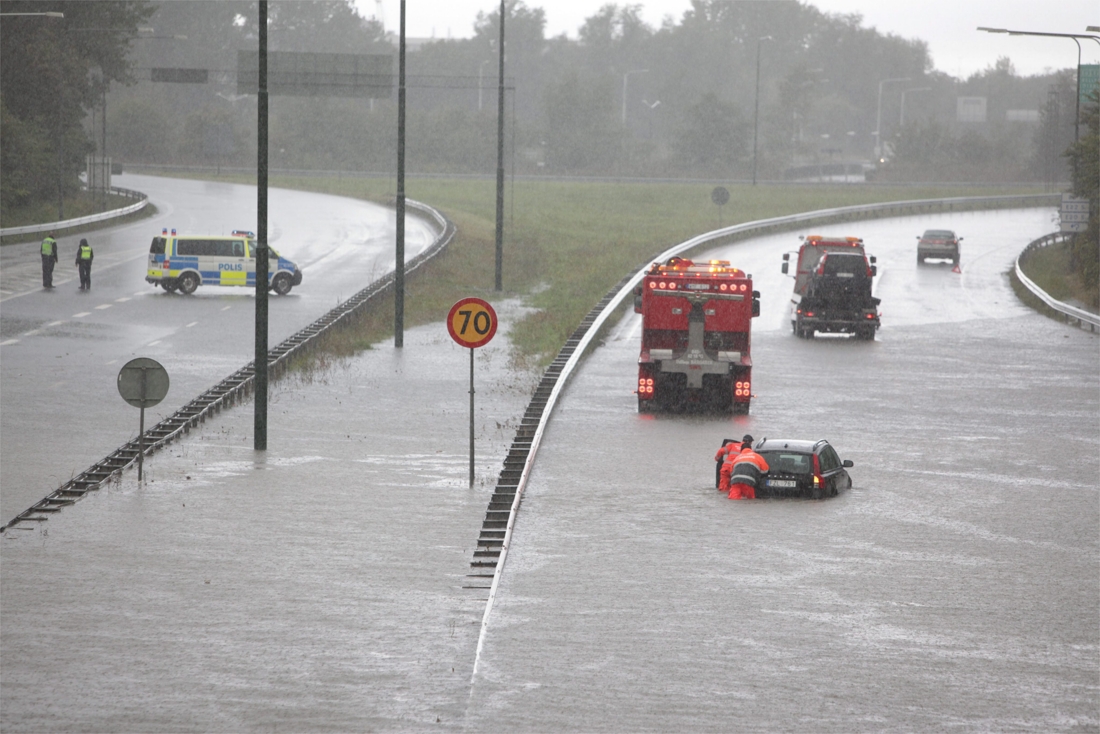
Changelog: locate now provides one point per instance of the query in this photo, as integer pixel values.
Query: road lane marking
(153, 343)
(227, 308)
(191, 324)
(55, 323)
(82, 314)
(32, 332)
(124, 299)
(9, 341)
(141, 293)
(112, 361)
(102, 306)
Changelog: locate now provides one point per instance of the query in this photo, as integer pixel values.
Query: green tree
(1085, 154)
(52, 70)
(712, 137)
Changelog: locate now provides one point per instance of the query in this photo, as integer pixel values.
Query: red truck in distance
(696, 346)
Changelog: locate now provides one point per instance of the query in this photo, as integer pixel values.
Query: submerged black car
(799, 468)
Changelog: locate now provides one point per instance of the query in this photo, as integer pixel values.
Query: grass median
(567, 243)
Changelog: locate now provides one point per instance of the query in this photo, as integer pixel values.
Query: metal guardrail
(80, 221)
(1070, 312)
(232, 389)
(491, 550)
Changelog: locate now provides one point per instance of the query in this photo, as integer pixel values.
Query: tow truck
(832, 288)
(696, 347)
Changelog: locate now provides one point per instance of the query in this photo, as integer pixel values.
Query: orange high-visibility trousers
(742, 491)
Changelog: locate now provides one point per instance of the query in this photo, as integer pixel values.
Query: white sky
(948, 26)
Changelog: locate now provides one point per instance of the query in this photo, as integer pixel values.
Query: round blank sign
(142, 382)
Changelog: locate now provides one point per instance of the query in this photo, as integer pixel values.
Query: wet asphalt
(319, 586)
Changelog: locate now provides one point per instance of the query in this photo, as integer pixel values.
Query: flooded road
(319, 587)
(955, 586)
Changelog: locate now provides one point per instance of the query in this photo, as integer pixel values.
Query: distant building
(970, 109)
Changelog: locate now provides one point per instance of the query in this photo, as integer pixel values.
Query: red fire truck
(696, 319)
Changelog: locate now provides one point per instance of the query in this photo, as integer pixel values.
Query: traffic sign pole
(471, 417)
(472, 323)
(142, 383)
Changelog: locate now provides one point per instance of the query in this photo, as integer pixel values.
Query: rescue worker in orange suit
(749, 468)
(727, 455)
(84, 257)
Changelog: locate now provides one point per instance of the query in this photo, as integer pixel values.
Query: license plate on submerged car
(782, 483)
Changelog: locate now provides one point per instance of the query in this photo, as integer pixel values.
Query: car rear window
(787, 462)
(845, 265)
(157, 248)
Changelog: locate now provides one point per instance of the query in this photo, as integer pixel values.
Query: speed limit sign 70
(472, 322)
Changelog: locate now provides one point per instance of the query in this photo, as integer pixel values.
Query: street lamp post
(1075, 37)
(481, 69)
(901, 120)
(756, 111)
(626, 75)
(878, 117)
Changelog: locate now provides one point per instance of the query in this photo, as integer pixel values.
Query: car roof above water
(786, 444)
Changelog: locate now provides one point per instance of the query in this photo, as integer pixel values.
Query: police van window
(222, 248)
(157, 248)
(238, 248)
(194, 247)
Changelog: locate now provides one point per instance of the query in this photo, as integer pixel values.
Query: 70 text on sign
(472, 322)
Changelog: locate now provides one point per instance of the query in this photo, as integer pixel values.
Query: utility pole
(399, 265)
(498, 284)
(260, 362)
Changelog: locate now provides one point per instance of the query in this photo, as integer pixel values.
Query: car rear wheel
(866, 333)
(817, 493)
(281, 284)
(188, 282)
(169, 286)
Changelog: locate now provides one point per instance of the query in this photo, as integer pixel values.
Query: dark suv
(799, 468)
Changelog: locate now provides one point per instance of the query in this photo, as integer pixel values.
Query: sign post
(472, 323)
(142, 383)
(721, 197)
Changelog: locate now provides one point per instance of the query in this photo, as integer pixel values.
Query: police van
(184, 262)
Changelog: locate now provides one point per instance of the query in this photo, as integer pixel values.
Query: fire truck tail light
(652, 284)
(870, 315)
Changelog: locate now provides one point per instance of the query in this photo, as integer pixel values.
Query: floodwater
(320, 587)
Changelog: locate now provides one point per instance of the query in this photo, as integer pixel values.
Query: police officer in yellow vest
(49, 258)
(84, 257)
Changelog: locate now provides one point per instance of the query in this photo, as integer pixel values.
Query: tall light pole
(480, 69)
(626, 75)
(756, 112)
(901, 119)
(499, 269)
(878, 117)
(1074, 36)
